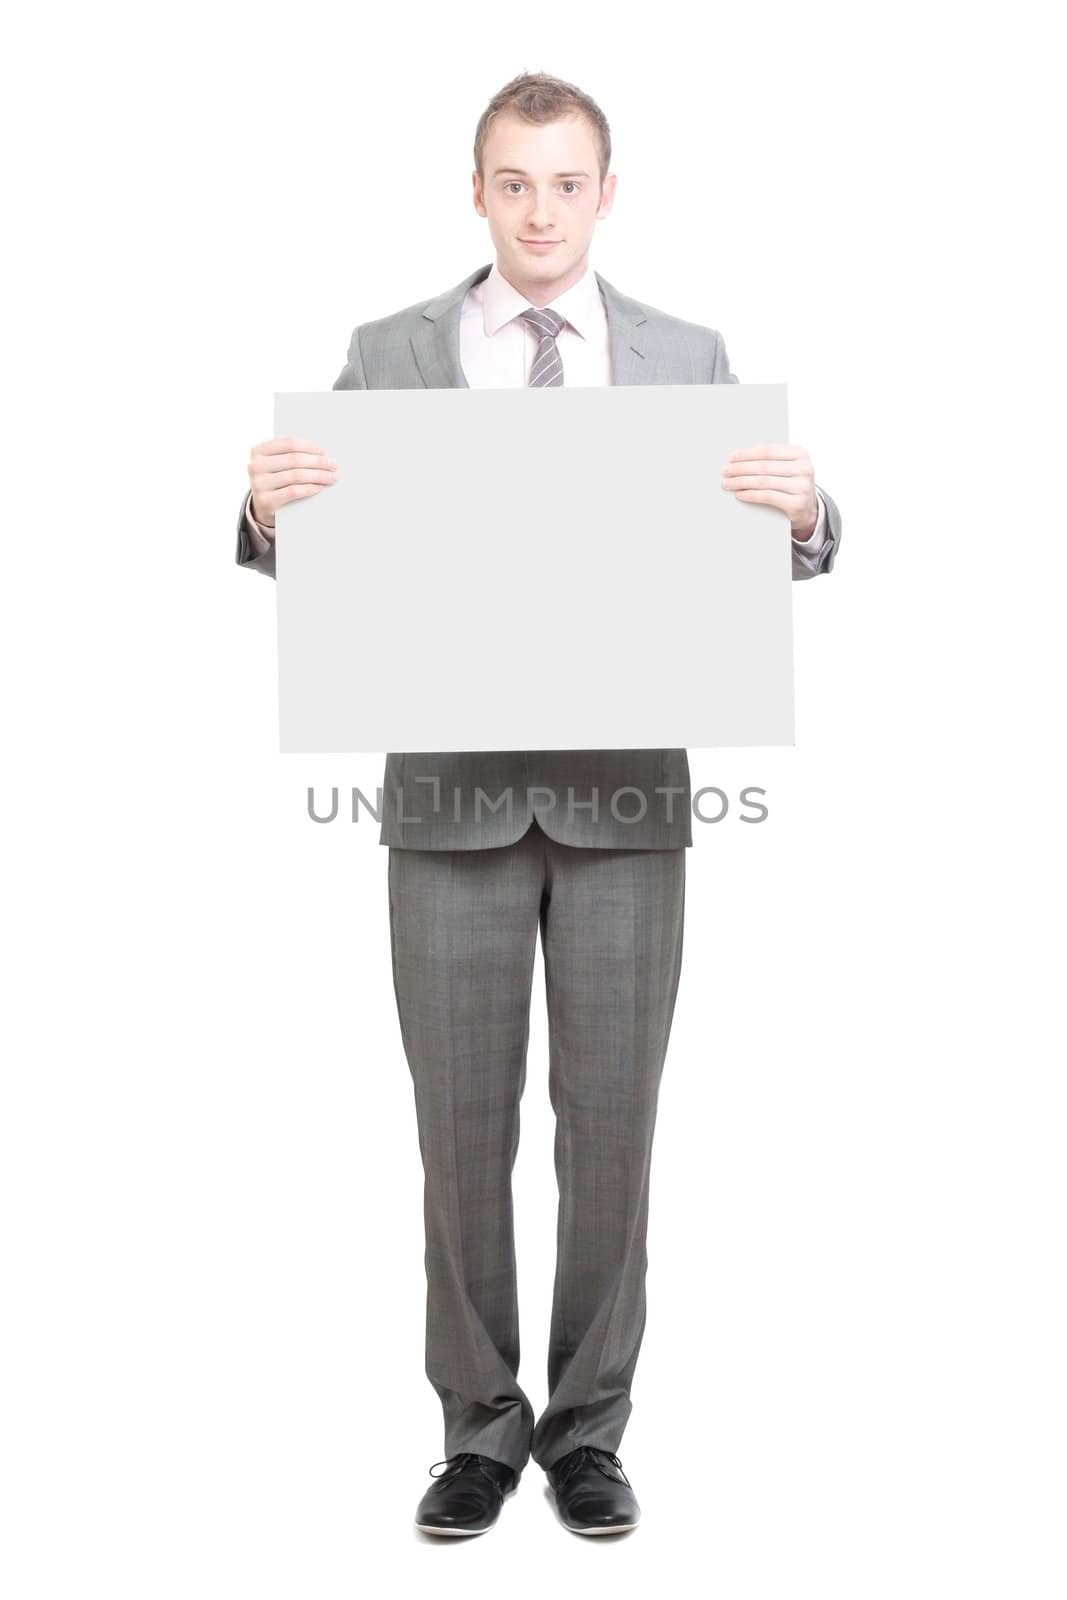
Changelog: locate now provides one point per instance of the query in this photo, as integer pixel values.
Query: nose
(540, 219)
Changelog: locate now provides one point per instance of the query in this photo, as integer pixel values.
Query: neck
(539, 292)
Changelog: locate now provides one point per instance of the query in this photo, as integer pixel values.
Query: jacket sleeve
(803, 566)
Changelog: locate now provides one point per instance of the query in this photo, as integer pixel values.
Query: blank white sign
(533, 569)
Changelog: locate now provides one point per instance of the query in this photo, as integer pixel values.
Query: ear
(607, 195)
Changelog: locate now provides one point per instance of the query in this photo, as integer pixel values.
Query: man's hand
(776, 475)
(281, 470)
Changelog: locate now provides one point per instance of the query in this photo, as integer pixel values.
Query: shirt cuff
(262, 538)
(814, 543)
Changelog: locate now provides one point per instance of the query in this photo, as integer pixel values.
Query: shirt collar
(580, 304)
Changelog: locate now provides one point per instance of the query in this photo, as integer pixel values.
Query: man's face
(541, 184)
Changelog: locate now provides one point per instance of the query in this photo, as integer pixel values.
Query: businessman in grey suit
(486, 848)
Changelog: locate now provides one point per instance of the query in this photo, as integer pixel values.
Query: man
(602, 875)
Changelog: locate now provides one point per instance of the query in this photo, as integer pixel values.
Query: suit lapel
(435, 344)
(628, 338)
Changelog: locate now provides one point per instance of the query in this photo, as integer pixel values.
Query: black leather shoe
(467, 1498)
(593, 1494)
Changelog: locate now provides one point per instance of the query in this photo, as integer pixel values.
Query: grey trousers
(464, 929)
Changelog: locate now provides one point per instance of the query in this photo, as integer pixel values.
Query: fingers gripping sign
(281, 470)
(779, 475)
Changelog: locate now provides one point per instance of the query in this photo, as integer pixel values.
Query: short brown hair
(539, 98)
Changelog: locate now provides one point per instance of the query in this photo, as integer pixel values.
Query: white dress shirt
(496, 350)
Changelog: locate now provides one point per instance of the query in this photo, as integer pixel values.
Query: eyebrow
(520, 174)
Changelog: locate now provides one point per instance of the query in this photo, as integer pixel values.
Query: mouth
(540, 244)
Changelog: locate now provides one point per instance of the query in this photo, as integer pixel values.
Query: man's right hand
(281, 470)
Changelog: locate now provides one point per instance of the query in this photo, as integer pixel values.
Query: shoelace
(590, 1453)
(456, 1464)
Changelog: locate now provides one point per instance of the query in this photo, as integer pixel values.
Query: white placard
(533, 569)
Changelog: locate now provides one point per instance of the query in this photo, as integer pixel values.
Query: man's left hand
(776, 475)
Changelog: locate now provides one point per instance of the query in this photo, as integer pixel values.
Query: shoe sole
(618, 1527)
(451, 1533)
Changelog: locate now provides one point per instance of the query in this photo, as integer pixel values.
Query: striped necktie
(547, 369)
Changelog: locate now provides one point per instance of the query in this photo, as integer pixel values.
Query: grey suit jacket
(469, 800)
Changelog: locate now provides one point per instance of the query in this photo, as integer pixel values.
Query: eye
(511, 184)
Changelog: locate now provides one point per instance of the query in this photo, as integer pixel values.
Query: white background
(852, 1380)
